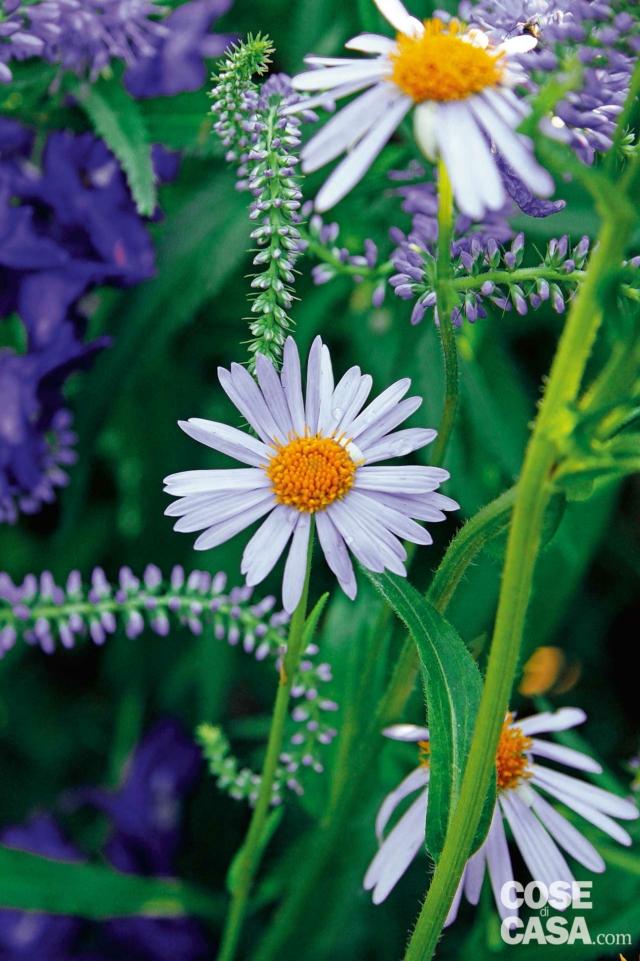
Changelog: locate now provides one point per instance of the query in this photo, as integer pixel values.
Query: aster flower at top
(460, 88)
(540, 832)
(314, 457)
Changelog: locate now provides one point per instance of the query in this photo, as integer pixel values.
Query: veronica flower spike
(460, 86)
(540, 832)
(313, 456)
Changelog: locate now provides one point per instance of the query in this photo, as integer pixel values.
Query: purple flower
(145, 811)
(25, 937)
(178, 62)
(24, 32)
(603, 42)
(91, 33)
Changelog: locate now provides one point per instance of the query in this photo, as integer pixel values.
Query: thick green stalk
(445, 304)
(463, 550)
(553, 425)
(251, 852)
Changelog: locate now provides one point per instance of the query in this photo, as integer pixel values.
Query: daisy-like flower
(460, 87)
(538, 829)
(313, 456)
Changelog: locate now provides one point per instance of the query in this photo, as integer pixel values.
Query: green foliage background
(73, 718)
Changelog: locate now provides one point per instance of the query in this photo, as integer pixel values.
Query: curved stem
(533, 492)
(519, 274)
(463, 550)
(251, 852)
(444, 304)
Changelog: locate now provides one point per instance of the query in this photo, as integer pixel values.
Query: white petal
(343, 396)
(346, 128)
(377, 408)
(354, 166)
(292, 385)
(296, 567)
(425, 120)
(521, 44)
(220, 533)
(561, 720)
(208, 481)
(274, 394)
(407, 732)
(397, 15)
(327, 98)
(399, 444)
(395, 521)
(336, 553)
(227, 440)
(371, 43)
(541, 855)
(326, 391)
(515, 148)
(353, 408)
(397, 851)
(504, 106)
(216, 509)
(402, 480)
(267, 544)
(499, 862)
(314, 373)
(327, 78)
(374, 548)
(418, 778)
(476, 183)
(383, 425)
(242, 390)
(475, 876)
(600, 820)
(587, 793)
(567, 835)
(565, 755)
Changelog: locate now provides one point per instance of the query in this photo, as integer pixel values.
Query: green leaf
(116, 117)
(311, 622)
(452, 687)
(34, 883)
(271, 826)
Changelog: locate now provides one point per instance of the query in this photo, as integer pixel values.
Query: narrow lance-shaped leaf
(117, 118)
(452, 688)
(34, 883)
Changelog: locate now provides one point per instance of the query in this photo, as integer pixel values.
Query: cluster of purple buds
(604, 36)
(25, 31)
(80, 35)
(491, 272)
(311, 731)
(42, 612)
(338, 260)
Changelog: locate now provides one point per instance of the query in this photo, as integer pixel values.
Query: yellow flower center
(442, 65)
(512, 764)
(309, 473)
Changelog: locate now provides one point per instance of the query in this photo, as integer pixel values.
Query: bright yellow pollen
(512, 764)
(441, 65)
(309, 473)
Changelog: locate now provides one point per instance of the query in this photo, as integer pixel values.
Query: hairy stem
(532, 494)
(251, 852)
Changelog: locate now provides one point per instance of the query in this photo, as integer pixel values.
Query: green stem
(533, 491)
(445, 304)
(251, 852)
(322, 252)
(518, 275)
(463, 550)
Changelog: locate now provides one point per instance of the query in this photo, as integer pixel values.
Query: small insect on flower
(460, 87)
(312, 458)
(538, 830)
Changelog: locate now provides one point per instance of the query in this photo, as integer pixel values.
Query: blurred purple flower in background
(178, 63)
(64, 227)
(144, 814)
(27, 936)
(605, 40)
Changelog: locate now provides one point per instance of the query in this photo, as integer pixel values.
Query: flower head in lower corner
(460, 87)
(314, 456)
(538, 829)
